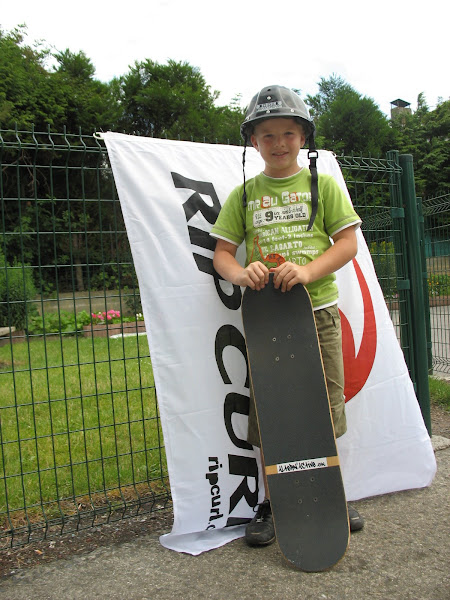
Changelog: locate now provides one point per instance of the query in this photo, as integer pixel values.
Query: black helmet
(278, 101)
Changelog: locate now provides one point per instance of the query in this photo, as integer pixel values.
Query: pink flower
(101, 317)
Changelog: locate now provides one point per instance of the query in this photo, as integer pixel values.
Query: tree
(69, 97)
(425, 134)
(328, 90)
(347, 122)
(166, 101)
(225, 125)
(25, 87)
(162, 100)
(65, 99)
(171, 100)
(88, 103)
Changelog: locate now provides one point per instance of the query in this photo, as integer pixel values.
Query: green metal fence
(435, 221)
(80, 436)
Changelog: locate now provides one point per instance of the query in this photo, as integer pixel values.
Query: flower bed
(107, 324)
(110, 329)
(439, 300)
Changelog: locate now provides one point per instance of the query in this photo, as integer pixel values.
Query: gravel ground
(88, 540)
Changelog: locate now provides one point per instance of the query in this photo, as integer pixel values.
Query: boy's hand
(255, 275)
(289, 274)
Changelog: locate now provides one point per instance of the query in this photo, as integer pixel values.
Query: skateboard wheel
(300, 501)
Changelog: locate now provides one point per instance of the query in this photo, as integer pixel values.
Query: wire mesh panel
(373, 183)
(80, 437)
(436, 213)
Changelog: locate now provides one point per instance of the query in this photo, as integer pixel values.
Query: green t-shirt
(275, 220)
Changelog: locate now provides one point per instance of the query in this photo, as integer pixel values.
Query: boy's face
(279, 140)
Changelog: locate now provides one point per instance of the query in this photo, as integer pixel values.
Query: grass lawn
(78, 421)
(440, 392)
(79, 426)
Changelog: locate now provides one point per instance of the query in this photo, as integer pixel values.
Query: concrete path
(403, 553)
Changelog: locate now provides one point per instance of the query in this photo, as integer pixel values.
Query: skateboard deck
(297, 435)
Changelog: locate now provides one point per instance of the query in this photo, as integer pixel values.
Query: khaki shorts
(328, 323)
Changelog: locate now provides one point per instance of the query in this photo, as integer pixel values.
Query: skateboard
(298, 444)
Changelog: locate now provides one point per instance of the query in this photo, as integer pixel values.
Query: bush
(132, 300)
(67, 323)
(439, 284)
(17, 289)
(59, 322)
(383, 257)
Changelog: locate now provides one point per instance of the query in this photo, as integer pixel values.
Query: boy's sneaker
(355, 519)
(260, 531)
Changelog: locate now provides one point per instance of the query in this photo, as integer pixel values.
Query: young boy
(287, 215)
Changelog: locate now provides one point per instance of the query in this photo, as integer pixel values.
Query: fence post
(413, 251)
(399, 237)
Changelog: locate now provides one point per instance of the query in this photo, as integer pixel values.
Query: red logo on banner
(357, 367)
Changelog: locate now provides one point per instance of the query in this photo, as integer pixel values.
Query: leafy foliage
(425, 134)
(16, 290)
(68, 323)
(69, 96)
(163, 100)
(347, 122)
(173, 101)
(328, 90)
(63, 322)
(169, 100)
(25, 88)
(438, 284)
(383, 257)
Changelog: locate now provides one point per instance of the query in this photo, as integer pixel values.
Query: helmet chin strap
(244, 195)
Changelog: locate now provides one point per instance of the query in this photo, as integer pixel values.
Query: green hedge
(16, 290)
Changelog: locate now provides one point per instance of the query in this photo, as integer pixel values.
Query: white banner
(171, 193)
